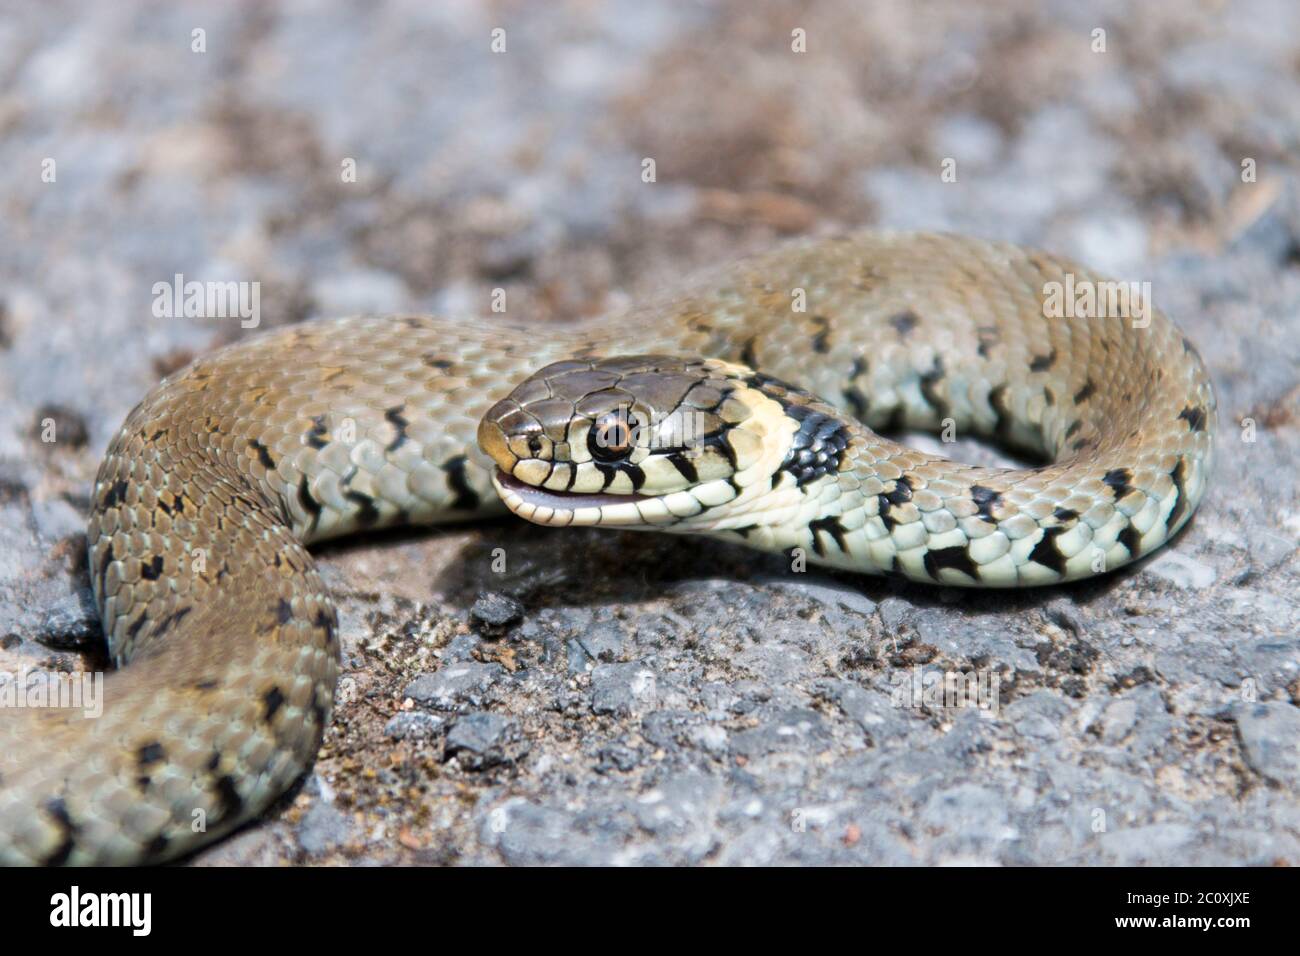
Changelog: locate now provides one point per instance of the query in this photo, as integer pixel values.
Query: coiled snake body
(218, 480)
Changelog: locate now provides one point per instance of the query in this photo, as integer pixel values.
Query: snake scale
(742, 407)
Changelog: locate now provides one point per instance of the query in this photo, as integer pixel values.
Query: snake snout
(492, 437)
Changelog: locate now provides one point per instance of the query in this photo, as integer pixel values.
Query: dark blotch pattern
(818, 446)
(1179, 475)
(1119, 481)
(274, 700)
(901, 494)
(904, 323)
(829, 525)
(153, 570)
(1195, 418)
(1045, 552)
(465, 498)
(955, 558)
(986, 499)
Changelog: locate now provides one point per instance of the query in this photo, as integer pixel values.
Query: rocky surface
(625, 698)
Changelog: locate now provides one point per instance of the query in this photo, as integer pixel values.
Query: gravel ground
(623, 698)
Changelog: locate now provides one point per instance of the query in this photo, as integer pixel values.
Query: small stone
(414, 725)
(457, 686)
(1270, 735)
(604, 642)
(623, 689)
(894, 612)
(494, 612)
(323, 827)
(72, 623)
(1118, 719)
(616, 756)
(479, 739)
(1181, 571)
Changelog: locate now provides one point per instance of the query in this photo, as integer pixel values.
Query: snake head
(642, 441)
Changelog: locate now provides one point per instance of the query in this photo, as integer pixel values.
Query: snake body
(218, 481)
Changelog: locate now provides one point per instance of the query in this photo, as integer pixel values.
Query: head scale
(643, 441)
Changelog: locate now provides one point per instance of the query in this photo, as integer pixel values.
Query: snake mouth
(543, 506)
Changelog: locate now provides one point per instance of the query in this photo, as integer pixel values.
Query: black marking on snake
(1195, 417)
(904, 322)
(1081, 444)
(1065, 514)
(434, 361)
(901, 494)
(1074, 427)
(137, 625)
(367, 513)
(263, 453)
(1129, 538)
(1046, 553)
(1085, 393)
(465, 498)
(747, 354)
(274, 700)
(1179, 475)
(820, 339)
(231, 803)
(608, 473)
(988, 336)
(208, 683)
(1119, 481)
(853, 395)
(956, 558)
(153, 570)
(685, 467)
(1041, 363)
(896, 421)
(718, 441)
(170, 621)
(150, 754)
(831, 525)
(284, 610)
(214, 761)
(1002, 418)
(104, 561)
(116, 494)
(930, 389)
(157, 846)
(319, 713)
(58, 811)
(745, 531)
(817, 448)
(319, 435)
(394, 417)
(328, 622)
(635, 473)
(1049, 396)
(986, 499)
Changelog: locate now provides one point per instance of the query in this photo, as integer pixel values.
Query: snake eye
(611, 438)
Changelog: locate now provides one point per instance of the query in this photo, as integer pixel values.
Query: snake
(751, 404)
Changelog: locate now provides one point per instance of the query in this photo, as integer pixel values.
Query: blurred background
(502, 145)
